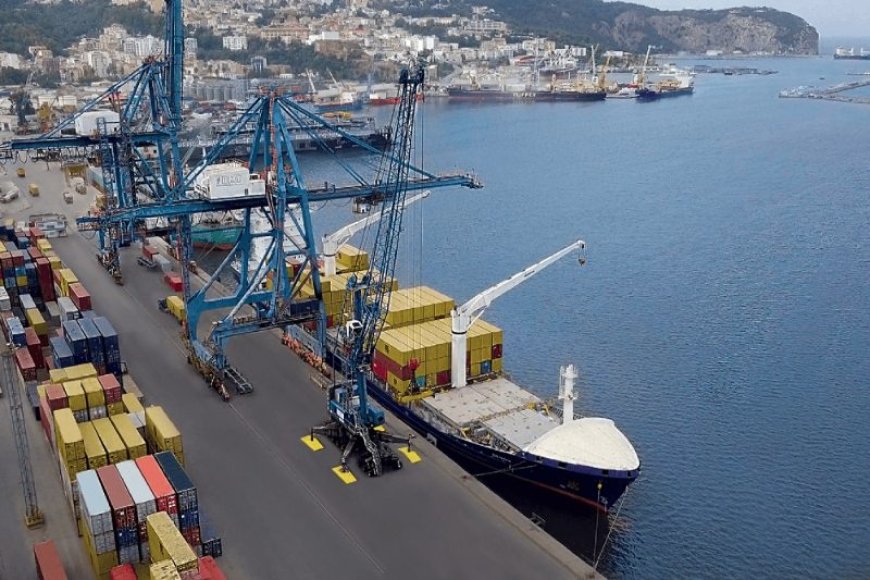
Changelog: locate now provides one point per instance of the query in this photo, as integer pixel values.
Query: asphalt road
(279, 508)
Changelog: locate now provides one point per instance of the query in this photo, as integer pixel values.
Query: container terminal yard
(278, 507)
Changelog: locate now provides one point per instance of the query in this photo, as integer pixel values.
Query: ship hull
(338, 107)
(215, 236)
(568, 96)
(481, 95)
(852, 57)
(653, 95)
(578, 482)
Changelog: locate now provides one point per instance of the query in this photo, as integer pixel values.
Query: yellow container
(115, 408)
(110, 439)
(55, 262)
(37, 321)
(57, 376)
(68, 435)
(40, 390)
(132, 440)
(94, 450)
(131, 403)
(79, 372)
(167, 543)
(76, 466)
(176, 307)
(21, 281)
(102, 564)
(93, 392)
(67, 277)
(351, 259)
(43, 244)
(76, 395)
(163, 570)
(162, 434)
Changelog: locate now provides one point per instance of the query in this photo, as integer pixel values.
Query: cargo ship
(477, 93)
(491, 425)
(670, 85)
(569, 93)
(851, 54)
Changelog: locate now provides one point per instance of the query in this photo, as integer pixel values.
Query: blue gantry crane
(354, 422)
(145, 177)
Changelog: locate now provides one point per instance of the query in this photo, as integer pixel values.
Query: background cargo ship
(493, 423)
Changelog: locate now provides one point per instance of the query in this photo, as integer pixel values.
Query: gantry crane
(333, 242)
(353, 421)
(139, 189)
(464, 316)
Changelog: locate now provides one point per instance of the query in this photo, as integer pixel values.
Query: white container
(138, 489)
(68, 310)
(94, 505)
(97, 413)
(53, 312)
(27, 301)
(86, 123)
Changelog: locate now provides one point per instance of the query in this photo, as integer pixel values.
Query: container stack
(167, 544)
(123, 514)
(351, 259)
(334, 290)
(144, 501)
(188, 505)
(415, 305)
(175, 305)
(414, 358)
(97, 527)
(48, 564)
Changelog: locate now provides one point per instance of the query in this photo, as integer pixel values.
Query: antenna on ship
(567, 374)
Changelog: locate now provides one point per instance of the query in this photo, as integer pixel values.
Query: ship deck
(499, 406)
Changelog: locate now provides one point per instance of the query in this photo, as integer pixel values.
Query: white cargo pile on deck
(228, 181)
(592, 441)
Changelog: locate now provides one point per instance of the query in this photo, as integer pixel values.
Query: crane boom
(333, 242)
(467, 314)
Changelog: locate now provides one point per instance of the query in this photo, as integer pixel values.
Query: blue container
(111, 347)
(485, 367)
(420, 381)
(90, 315)
(95, 342)
(20, 271)
(126, 537)
(179, 481)
(10, 245)
(16, 332)
(9, 280)
(76, 340)
(61, 352)
(23, 243)
(211, 542)
(188, 520)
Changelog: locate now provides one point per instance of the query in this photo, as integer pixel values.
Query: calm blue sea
(723, 319)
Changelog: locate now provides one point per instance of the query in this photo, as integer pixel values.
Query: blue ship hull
(598, 488)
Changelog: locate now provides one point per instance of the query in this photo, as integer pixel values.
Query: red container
(35, 234)
(192, 536)
(48, 565)
(123, 572)
(209, 570)
(25, 364)
(46, 290)
(56, 397)
(34, 347)
(55, 276)
(149, 251)
(17, 258)
(164, 494)
(111, 388)
(80, 296)
(123, 508)
(47, 421)
(34, 253)
(6, 260)
(442, 378)
(173, 280)
(496, 351)
(379, 369)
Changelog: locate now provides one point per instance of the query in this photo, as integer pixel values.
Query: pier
(832, 93)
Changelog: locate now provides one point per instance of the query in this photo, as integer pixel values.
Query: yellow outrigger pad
(312, 443)
(346, 476)
(381, 428)
(412, 455)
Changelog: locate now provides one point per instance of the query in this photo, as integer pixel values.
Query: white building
(142, 46)
(236, 42)
(10, 60)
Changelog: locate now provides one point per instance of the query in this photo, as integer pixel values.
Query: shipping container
(25, 364)
(94, 393)
(111, 388)
(142, 497)
(37, 321)
(113, 443)
(134, 442)
(166, 542)
(123, 572)
(111, 346)
(123, 508)
(56, 396)
(68, 436)
(76, 340)
(164, 495)
(48, 564)
(94, 450)
(97, 526)
(163, 570)
(62, 355)
(161, 433)
(68, 310)
(132, 403)
(80, 296)
(80, 371)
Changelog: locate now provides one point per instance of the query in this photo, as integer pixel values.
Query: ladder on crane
(33, 517)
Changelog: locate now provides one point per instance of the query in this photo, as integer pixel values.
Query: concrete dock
(281, 511)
